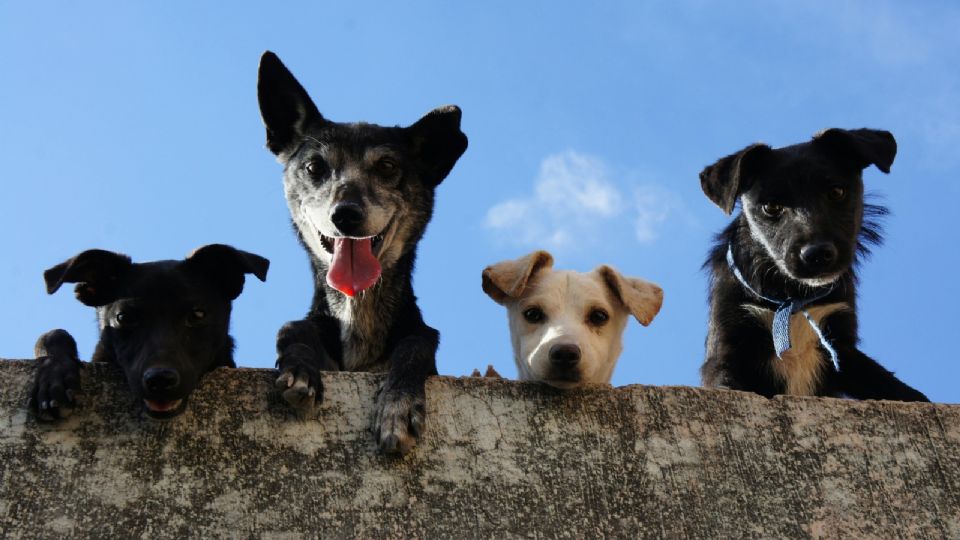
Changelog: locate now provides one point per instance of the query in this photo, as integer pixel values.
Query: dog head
(803, 203)
(165, 323)
(360, 194)
(566, 327)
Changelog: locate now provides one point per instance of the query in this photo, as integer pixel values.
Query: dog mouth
(355, 264)
(376, 242)
(822, 280)
(563, 383)
(563, 379)
(161, 409)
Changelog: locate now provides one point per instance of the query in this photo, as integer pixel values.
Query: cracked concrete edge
(499, 458)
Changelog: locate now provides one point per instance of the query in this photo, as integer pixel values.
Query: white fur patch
(802, 366)
(748, 211)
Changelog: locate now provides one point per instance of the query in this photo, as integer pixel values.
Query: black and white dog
(783, 314)
(360, 197)
(164, 323)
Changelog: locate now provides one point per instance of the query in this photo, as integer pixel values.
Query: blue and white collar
(785, 309)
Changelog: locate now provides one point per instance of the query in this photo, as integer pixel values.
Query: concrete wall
(500, 459)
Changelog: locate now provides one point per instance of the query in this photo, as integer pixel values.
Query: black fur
(806, 196)
(164, 323)
(387, 176)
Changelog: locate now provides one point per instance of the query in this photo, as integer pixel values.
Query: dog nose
(818, 255)
(347, 217)
(159, 379)
(565, 355)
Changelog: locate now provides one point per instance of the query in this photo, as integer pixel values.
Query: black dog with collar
(796, 243)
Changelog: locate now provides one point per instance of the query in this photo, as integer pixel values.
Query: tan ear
(508, 279)
(642, 298)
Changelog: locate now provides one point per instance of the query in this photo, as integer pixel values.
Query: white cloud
(577, 184)
(574, 201)
(653, 205)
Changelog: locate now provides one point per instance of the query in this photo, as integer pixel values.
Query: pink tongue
(354, 267)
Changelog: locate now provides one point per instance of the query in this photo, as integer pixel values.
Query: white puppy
(565, 326)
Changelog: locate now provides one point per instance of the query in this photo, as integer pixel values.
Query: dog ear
(96, 272)
(439, 141)
(225, 266)
(285, 106)
(726, 179)
(508, 279)
(862, 147)
(642, 298)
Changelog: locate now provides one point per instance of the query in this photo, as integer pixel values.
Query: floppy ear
(862, 147)
(225, 266)
(96, 272)
(286, 108)
(642, 298)
(439, 141)
(508, 279)
(723, 181)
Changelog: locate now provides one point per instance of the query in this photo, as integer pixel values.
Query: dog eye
(196, 316)
(772, 210)
(534, 315)
(315, 167)
(598, 317)
(836, 193)
(387, 166)
(125, 318)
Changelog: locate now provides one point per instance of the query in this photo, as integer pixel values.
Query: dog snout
(818, 256)
(160, 379)
(564, 355)
(347, 217)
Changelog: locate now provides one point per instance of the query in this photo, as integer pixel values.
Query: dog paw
(299, 382)
(399, 420)
(55, 388)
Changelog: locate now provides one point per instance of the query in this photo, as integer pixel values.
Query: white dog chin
(821, 281)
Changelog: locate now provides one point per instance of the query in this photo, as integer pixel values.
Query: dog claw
(299, 393)
(302, 381)
(284, 381)
(399, 422)
(56, 382)
(299, 381)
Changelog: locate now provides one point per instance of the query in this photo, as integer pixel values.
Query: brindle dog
(360, 196)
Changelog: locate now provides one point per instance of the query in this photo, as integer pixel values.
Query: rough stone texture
(500, 459)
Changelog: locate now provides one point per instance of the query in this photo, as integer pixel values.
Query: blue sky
(134, 127)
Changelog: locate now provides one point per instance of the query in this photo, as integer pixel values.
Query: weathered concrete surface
(500, 459)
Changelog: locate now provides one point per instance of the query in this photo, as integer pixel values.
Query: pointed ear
(286, 108)
(726, 179)
(225, 266)
(96, 272)
(861, 147)
(508, 279)
(440, 142)
(642, 298)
